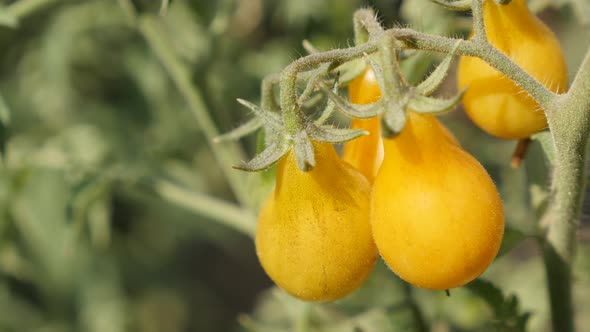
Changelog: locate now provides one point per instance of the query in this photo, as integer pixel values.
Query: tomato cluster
(418, 200)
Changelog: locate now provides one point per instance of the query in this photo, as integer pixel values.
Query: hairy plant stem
(569, 122)
(292, 115)
(478, 23)
(412, 39)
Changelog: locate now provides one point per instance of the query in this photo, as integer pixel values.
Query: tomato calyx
(398, 96)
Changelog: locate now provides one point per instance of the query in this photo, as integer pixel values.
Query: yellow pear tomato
(365, 153)
(436, 214)
(492, 100)
(313, 236)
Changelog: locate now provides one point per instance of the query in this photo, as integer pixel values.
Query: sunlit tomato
(494, 102)
(313, 236)
(365, 153)
(436, 215)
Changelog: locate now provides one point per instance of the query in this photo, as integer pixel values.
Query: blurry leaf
(4, 112)
(102, 307)
(23, 316)
(39, 216)
(296, 13)
(185, 33)
(7, 19)
(512, 238)
(507, 314)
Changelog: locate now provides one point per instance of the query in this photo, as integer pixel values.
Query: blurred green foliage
(116, 214)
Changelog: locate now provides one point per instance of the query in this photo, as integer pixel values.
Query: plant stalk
(226, 153)
(417, 40)
(569, 121)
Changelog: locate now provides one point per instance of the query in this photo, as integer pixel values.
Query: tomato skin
(493, 101)
(436, 215)
(365, 153)
(313, 236)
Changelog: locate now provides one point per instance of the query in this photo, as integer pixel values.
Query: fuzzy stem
(488, 53)
(366, 26)
(292, 116)
(569, 121)
(478, 23)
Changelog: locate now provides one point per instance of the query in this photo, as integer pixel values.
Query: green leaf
(507, 314)
(512, 238)
(431, 105)
(546, 141)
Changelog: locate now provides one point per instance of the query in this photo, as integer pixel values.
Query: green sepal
(244, 129)
(8, 19)
(330, 107)
(457, 5)
(435, 79)
(364, 111)
(503, 2)
(393, 121)
(350, 70)
(334, 135)
(269, 118)
(270, 155)
(312, 82)
(304, 153)
(378, 71)
(431, 105)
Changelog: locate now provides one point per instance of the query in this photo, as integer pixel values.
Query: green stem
(488, 53)
(292, 116)
(268, 101)
(225, 213)
(569, 122)
(366, 26)
(226, 153)
(478, 23)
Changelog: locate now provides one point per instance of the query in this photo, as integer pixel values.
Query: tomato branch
(417, 40)
(569, 121)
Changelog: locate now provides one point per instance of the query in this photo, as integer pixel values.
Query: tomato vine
(568, 117)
